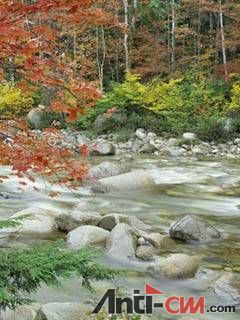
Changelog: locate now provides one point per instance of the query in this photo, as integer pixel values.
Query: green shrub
(125, 97)
(13, 102)
(24, 271)
(170, 108)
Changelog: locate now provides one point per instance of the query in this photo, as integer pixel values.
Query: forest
(119, 158)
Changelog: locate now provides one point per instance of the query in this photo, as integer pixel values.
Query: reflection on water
(207, 189)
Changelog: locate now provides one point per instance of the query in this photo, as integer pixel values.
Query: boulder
(81, 139)
(159, 241)
(173, 142)
(24, 312)
(147, 148)
(63, 311)
(109, 221)
(173, 151)
(140, 134)
(36, 221)
(37, 117)
(151, 135)
(86, 236)
(227, 288)
(145, 253)
(191, 228)
(134, 180)
(121, 243)
(103, 149)
(136, 223)
(105, 169)
(177, 266)
(189, 136)
(69, 222)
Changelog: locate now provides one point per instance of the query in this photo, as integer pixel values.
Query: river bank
(142, 142)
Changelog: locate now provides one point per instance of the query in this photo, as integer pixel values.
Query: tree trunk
(101, 55)
(224, 56)
(126, 48)
(173, 35)
(135, 5)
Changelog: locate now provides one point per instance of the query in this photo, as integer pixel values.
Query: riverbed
(208, 189)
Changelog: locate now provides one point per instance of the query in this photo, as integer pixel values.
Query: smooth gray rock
(24, 312)
(227, 287)
(147, 148)
(189, 136)
(36, 221)
(109, 221)
(173, 151)
(69, 222)
(122, 242)
(159, 241)
(103, 149)
(177, 266)
(37, 117)
(134, 180)
(145, 253)
(63, 311)
(105, 169)
(140, 134)
(191, 228)
(86, 236)
(136, 223)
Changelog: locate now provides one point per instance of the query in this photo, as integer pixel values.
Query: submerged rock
(134, 180)
(227, 288)
(86, 236)
(122, 242)
(191, 228)
(105, 169)
(177, 266)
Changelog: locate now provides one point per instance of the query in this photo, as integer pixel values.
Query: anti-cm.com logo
(151, 301)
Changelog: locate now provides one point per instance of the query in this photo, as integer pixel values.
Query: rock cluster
(149, 143)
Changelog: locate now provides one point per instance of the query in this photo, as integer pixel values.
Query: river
(208, 189)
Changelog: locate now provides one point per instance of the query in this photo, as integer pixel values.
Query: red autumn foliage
(30, 154)
(31, 34)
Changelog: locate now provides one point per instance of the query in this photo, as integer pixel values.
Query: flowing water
(208, 189)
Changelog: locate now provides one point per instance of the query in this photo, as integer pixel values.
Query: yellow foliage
(163, 95)
(12, 101)
(235, 101)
